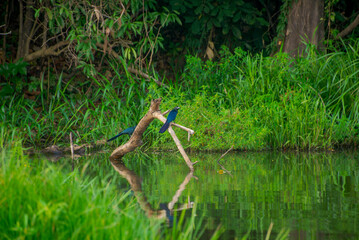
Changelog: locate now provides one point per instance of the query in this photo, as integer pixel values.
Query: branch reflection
(166, 211)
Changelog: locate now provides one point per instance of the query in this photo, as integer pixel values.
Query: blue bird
(127, 131)
(171, 117)
(169, 216)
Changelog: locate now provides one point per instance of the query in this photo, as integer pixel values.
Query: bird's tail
(164, 127)
(113, 138)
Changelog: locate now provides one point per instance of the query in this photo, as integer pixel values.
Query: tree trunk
(305, 24)
(25, 28)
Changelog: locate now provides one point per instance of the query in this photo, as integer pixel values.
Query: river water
(249, 195)
(298, 195)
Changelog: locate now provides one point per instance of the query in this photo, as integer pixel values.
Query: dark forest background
(83, 38)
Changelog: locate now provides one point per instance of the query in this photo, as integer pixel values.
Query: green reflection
(314, 195)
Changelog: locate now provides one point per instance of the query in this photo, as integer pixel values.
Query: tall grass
(272, 102)
(249, 101)
(111, 106)
(43, 201)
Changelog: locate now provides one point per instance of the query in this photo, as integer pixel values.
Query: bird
(127, 131)
(171, 117)
(169, 216)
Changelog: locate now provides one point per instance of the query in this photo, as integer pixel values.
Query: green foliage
(338, 16)
(13, 73)
(246, 101)
(228, 21)
(131, 29)
(281, 24)
(43, 202)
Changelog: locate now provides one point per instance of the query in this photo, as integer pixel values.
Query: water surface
(303, 195)
(310, 195)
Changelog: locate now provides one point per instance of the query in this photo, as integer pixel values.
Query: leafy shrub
(13, 74)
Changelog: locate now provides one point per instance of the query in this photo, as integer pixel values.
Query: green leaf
(49, 13)
(216, 23)
(332, 17)
(206, 9)
(6, 90)
(60, 21)
(37, 12)
(214, 11)
(196, 27)
(198, 10)
(225, 29)
(262, 22)
(189, 19)
(237, 17)
(178, 20)
(236, 32)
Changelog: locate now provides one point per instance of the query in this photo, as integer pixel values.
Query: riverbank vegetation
(247, 100)
(92, 69)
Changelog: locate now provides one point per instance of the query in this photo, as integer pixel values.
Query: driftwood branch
(134, 142)
(78, 150)
(136, 138)
(348, 29)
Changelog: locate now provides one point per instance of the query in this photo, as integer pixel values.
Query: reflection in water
(166, 209)
(313, 195)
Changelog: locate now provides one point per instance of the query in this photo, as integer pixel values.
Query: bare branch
(144, 75)
(224, 169)
(3, 34)
(21, 28)
(72, 152)
(160, 117)
(179, 192)
(45, 52)
(190, 131)
(131, 70)
(348, 29)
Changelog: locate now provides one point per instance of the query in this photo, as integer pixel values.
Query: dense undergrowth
(249, 101)
(256, 102)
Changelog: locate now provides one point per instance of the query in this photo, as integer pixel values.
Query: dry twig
(224, 169)
(72, 151)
